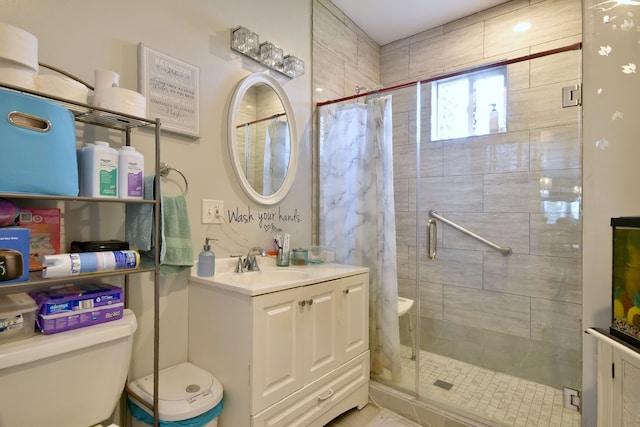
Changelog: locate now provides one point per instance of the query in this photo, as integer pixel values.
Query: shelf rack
(102, 117)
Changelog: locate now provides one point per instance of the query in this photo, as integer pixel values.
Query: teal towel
(176, 253)
(176, 250)
(139, 220)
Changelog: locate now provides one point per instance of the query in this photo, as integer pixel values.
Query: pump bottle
(206, 260)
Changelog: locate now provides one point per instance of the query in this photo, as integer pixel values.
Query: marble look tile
(552, 19)
(540, 107)
(451, 194)
(502, 152)
(557, 323)
(334, 35)
(488, 310)
(394, 66)
(560, 239)
(555, 68)
(431, 295)
(453, 267)
(556, 148)
(331, 76)
(535, 276)
(510, 192)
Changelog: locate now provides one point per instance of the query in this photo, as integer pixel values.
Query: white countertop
(272, 278)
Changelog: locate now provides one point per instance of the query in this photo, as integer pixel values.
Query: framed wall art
(171, 88)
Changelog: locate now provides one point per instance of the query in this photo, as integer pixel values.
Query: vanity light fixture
(268, 54)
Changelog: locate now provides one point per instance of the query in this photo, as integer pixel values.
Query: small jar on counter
(300, 257)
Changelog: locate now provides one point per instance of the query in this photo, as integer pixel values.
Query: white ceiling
(386, 21)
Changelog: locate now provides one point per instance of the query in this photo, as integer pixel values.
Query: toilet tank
(70, 379)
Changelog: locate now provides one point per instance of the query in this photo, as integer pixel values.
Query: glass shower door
(499, 332)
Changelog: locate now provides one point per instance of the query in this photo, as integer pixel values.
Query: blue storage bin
(37, 146)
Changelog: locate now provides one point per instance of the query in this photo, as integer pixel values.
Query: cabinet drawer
(320, 397)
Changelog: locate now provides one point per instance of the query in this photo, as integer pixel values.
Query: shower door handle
(432, 235)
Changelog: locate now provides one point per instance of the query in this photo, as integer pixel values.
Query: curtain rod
(575, 46)
(275, 116)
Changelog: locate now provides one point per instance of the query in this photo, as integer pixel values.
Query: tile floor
(500, 399)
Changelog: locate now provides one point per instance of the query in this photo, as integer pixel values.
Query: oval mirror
(262, 138)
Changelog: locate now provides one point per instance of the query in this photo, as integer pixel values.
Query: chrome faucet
(251, 263)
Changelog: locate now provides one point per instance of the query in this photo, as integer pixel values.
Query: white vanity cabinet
(297, 356)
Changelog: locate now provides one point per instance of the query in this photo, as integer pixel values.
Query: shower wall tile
(556, 148)
(405, 228)
(334, 34)
(331, 76)
(560, 239)
(404, 161)
(535, 276)
(452, 267)
(494, 311)
(394, 66)
(563, 198)
(426, 59)
(503, 152)
(401, 194)
(400, 128)
(557, 323)
(540, 107)
(510, 192)
(505, 229)
(452, 194)
(496, 11)
(369, 59)
(555, 68)
(551, 20)
(431, 300)
(431, 158)
(518, 76)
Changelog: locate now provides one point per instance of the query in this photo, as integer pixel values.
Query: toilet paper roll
(124, 101)
(18, 46)
(62, 87)
(104, 79)
(16, 74)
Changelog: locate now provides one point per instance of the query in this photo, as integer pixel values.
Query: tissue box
(61, 308)
(17, 316)
(44, 225)
(14, 254)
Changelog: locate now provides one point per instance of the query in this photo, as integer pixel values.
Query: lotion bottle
(494, 124)
(206, 260)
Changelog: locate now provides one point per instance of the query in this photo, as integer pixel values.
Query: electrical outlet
(212, 211)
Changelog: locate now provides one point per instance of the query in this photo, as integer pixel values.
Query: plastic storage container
(98, 170)
(187, 396)
(130, 173)
(17, 316)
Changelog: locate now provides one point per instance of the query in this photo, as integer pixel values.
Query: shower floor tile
(500, 399)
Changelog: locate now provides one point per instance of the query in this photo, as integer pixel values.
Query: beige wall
(79, 37)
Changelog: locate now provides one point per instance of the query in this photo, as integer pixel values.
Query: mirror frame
(239, 92)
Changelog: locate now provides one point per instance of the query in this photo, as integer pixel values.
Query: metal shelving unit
(95, 116)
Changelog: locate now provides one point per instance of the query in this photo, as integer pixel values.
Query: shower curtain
(357, 214)
(276, 156)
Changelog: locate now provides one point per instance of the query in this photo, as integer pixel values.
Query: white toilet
(71, 379)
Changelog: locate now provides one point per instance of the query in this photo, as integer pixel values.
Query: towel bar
(164, 171)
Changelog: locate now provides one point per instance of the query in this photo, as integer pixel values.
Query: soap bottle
(206, 260)
(494, 125)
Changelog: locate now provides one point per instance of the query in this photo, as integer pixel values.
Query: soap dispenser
(206, 260)
(494, 123)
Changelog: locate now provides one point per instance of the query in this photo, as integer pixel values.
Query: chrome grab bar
(432, 225)
(502, 249)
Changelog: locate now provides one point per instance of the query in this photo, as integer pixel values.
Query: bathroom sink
(261, 278)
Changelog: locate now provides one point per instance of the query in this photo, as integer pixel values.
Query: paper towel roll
(18, 46)
(124, 101)
(16, 74)
(62, 87)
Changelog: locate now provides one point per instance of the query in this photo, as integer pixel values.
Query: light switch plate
(212, 211)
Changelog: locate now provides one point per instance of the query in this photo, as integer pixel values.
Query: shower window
(469, 105)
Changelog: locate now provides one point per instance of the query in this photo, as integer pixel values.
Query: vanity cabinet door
(320, 307)
(277, 368)
(353, 325)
